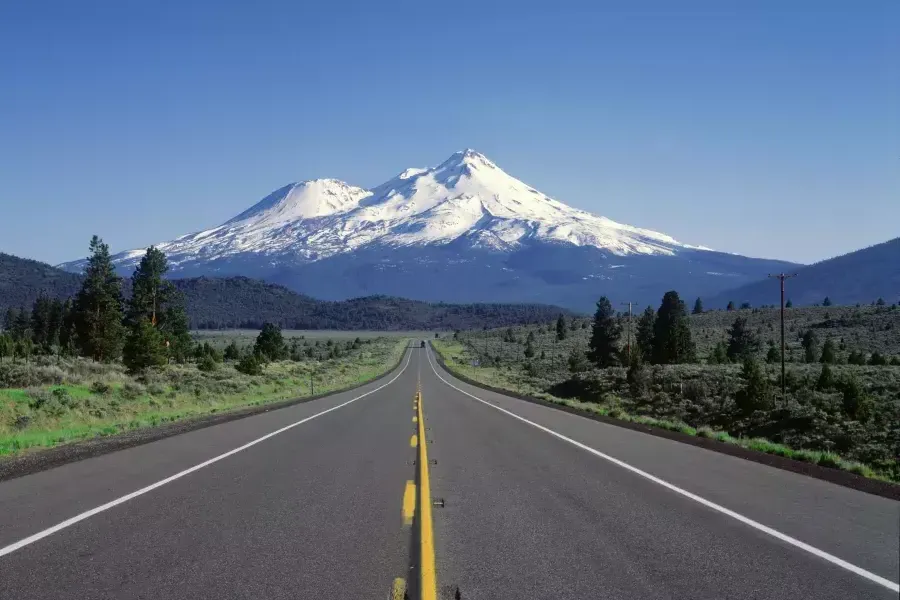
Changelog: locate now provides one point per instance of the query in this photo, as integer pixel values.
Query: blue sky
(769, 129)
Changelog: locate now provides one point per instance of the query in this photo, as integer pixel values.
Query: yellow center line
(409, 503)
(427, 572)
(398, 590)
(413, 441)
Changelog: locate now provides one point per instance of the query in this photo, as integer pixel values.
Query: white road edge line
(747, 521)
(90, 513)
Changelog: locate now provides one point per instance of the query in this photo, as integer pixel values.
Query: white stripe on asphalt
(90, 513)
(747, 521)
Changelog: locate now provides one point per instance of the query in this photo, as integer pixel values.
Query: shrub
(249, 365)
(131, 391)
(207, 364)
(100, 387)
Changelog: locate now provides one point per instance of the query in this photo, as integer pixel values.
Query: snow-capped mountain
(457, 220)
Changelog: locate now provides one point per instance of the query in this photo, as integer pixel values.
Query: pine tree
(698, 307)
(810, 345)
(22, 328)
(233, 353)
(144, 347)
(828, 353)
(789, 303)
(671, 333)
(578, 361)
(826, 378)
(67, 329)
(604, 335)
(561, 328)
(644, 334)
(9, 321)
(6, 346)
(97, 311)
(741, 340)
(54, 323)
(856, 358)
(270, 343)
(175, 328)
(773, 355)
(156, 300)
(149, 292)
(529, 348)
(756, 393)
(730, 306)
(826, 301)
(718, 355)
(877, 360)
(40, 321)
(880, 302)
(855, 402)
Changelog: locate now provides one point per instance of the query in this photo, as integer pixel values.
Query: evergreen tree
(826, 301)
(855, 403)
(578, 361)
(6, 346)
(810, 345)
(637, 378)
(828, 352)
(826, 378)
(773, 355)
(730, 306)
(98, 307)
(21, 329)
(698, 306)
(756, 392)
(233, 353)
(144, 347)
(718, 355)
(880, 302)
(156, 300)
(9, 321)
(67, 329)
(745, 305)
(40, 322)
(149, 292)
(877, 360)
(672, 333)
(54, 323)
(789, 303)
(856, 358)
(270, 343)
(604, 335)
(561, 328)
(529, 348)
(741, 340)
(175, 329)
(644, 334)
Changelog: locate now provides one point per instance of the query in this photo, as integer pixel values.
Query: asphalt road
(316, 510)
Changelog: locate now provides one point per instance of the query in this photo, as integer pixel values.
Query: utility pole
(628, 342)
(782, 277)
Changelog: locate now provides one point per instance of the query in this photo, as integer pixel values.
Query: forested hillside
(240, 302)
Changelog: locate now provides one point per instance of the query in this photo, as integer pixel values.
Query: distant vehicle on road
(423, 343)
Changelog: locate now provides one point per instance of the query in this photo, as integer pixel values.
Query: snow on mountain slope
(466, 198)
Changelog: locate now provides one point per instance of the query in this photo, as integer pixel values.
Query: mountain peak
(467, 157)
(303, 200)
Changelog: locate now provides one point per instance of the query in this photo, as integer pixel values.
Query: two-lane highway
(319, 501)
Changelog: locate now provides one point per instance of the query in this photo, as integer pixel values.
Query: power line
(782, 277)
